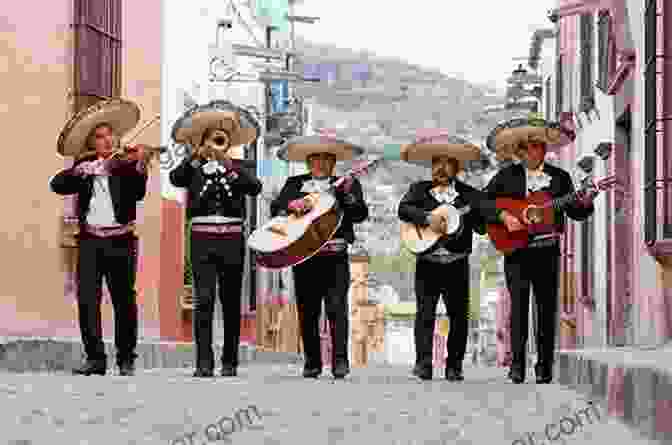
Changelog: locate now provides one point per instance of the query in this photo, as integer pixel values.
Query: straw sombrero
(189, 129)
(423, 150)
(505, 137)
(299, 148)
(121, 115)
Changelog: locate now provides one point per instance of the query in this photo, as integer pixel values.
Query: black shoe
(229, 371)
(91, 367)
(543, 374)
(340, 371)
(454, 375)
(422, 373)
(312, 373)
(127, 369)
(516, 375)
(200, 372)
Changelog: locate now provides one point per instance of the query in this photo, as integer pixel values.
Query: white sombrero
(299, 148)
(191, 128)
(423, 150)
(121, 115)
(505, 138)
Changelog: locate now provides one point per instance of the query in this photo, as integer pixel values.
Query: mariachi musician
(326, 275)
(443, 269)
(107, 189)
(526, 141)
(216, 186)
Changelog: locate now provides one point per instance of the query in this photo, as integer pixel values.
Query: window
(97, 46)
(587, 254)
(97, 75)
(654, 229)
(586, 56)
(606, 60)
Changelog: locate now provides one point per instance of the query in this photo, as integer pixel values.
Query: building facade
(603, 67)
(612, 88)
(70, 55)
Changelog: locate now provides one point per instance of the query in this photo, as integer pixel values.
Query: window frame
(587, 27)
(606, 44)
(587, 259)
(657, 162)
(97, 44)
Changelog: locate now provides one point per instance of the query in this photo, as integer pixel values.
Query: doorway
(620, 228)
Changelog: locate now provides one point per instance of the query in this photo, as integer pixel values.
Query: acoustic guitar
(536, 213)
(286, 241)
(421, 239)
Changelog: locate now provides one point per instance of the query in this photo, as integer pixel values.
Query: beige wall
(141, 80)
(35, 59)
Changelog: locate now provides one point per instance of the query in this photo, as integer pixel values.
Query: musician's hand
(298, 206)
(346, 186)
(90, 168)
(83, 169)
(511, 222)
(586, 198)
(437, 223)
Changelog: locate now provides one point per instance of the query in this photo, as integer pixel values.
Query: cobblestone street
(380, 405)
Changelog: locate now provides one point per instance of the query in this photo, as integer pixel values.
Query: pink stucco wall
(629, 254)
(34, 61)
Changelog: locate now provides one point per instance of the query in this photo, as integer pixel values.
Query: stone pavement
(380, 405)
(636, 383)
(20, 354)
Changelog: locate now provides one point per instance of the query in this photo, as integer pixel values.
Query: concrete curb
(49, 354)
(639, 395)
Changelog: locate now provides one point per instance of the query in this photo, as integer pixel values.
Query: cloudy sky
(474, 39)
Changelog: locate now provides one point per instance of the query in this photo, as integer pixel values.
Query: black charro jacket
(418, 202)
(354, 213)
(510, 182)
(193, 179)
(127, 187)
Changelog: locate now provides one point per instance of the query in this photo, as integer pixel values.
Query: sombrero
(505, 137)
(300, 147)
(221, 115)
(121, 115)
(423, 150)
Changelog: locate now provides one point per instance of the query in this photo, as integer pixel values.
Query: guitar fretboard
(563, 201)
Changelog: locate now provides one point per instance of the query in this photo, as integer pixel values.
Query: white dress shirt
(101, 210)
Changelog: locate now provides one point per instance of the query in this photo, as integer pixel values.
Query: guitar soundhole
(535, 215)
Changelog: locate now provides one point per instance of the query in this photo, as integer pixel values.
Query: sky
(476, 40)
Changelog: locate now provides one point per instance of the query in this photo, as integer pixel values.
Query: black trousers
(323, 277)
(217, 260)
(538, 267)
(115, 259)
(451, 281)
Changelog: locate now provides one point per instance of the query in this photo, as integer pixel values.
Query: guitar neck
(562, 202)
